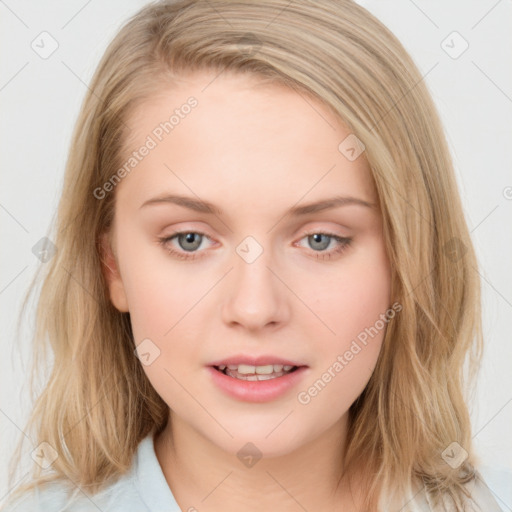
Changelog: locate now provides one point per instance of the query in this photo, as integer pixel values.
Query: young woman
(263, 293)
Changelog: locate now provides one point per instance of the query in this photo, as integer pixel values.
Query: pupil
(317, 237)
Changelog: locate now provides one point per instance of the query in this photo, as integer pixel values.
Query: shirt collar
(149, 479)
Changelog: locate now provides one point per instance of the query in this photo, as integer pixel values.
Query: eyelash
(343, 241)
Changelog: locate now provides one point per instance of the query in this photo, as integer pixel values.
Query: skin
(254, 151)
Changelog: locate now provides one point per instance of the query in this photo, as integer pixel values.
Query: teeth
(253, 373)
(240, 376)
(246, 369)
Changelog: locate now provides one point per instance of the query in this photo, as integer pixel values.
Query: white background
(40, 99)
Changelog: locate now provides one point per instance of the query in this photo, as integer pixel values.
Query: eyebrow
(202, 206)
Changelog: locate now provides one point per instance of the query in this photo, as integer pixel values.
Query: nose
(254, 297)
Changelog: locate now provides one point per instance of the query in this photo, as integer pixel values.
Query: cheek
(163, 309)
(353, 305)
(159, 293)
(355, 298)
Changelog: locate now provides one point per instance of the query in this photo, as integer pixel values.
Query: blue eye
(320, 241)
(189, 241)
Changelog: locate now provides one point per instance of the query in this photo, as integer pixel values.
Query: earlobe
(112, 275)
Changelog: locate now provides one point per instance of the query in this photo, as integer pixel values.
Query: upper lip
(262, 360)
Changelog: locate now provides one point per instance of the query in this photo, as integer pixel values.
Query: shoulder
(61, 497)
(58, 497)
(142, 488)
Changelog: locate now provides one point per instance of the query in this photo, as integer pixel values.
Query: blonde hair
(98, 404)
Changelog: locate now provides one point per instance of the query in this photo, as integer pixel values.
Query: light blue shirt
(144, 489)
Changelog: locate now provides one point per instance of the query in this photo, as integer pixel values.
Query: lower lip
(256, 390)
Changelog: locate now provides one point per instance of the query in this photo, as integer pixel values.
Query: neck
(204, 477)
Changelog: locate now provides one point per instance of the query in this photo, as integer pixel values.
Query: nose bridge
(255, 296)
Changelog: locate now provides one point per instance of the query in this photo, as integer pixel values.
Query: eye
(319, 241)
(188, 242)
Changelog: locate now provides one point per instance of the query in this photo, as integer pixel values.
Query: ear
(112, 275)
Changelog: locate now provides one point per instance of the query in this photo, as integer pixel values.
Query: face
(249, 276)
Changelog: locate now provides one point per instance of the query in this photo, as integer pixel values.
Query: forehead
(243, 140)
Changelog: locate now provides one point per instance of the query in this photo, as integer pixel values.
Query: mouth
(256, 373)
(257, 379)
